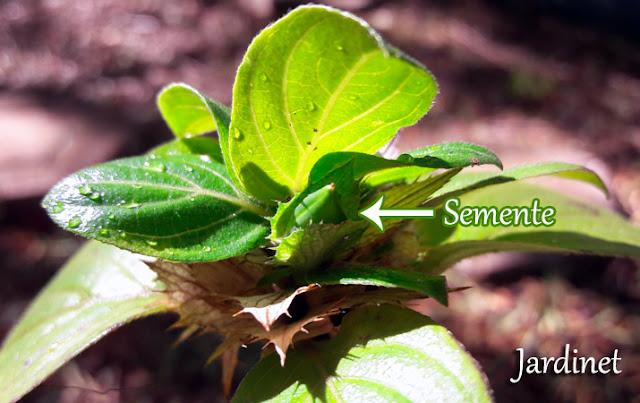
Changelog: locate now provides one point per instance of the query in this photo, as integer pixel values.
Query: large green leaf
(189, 113)
(382, 354)
(317, 81)
(99, 289)
(176, 207)
(579, 228)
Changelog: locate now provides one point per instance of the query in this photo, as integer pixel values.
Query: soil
(531, 81)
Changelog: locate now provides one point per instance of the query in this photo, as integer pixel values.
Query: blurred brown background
(533, 80)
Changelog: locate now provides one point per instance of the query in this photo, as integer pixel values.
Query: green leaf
(469, 181)
(302, 92)
(579, 228)
(432, 286)
(382, 354)
(444, 155)
(200, 146)
(176, 207)
(189, 113)
(342, 171)
(451, 155)
(98, 290)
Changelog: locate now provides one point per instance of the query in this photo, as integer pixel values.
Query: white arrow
(374, 213)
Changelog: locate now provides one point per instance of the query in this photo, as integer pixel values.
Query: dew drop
(123, 234)
(95, 196)
(151, 243)
(263, 77)
(111, 216)
(155, 166)
(311, 106)
(58, 208)
(74, 222)
(207, 249)
(188, 168)
(133, 204)
(237, 134)
(353, 97)
(103, 232)
(85, 190)
(339, 47)
(266, 125)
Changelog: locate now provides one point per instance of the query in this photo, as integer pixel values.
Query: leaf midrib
(365, 57)
(179, 234)
(194, 192)
(285, 82)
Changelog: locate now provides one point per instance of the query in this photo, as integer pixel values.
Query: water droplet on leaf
(188, 168)
(111, 217)
(339, 47)
(353, 97)
(57, 208)
(207, 249)
(75, 222)
(133, 204)
(266, 125)
(103, 232)
(95, 196)
(311, 106)
(155, 166)
(237, 134)
(85, 190)
(263, 77)
(151, 243)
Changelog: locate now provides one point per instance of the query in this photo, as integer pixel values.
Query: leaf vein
(285, 82)
(325, 114)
